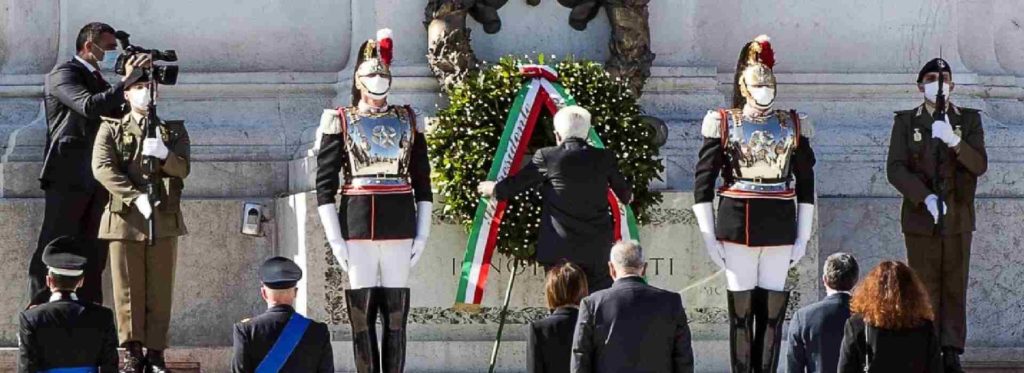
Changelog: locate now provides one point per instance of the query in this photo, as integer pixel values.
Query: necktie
(99, 77)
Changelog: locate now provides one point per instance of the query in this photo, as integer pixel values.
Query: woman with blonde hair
(892, 327)
(550, 338)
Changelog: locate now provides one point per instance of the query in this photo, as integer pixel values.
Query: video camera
(163, 74)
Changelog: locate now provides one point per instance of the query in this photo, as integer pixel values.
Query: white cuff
(705, 217)
(424, 212)
(804, 220)
(329, 218)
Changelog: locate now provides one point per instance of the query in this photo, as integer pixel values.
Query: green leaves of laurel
(465, 135)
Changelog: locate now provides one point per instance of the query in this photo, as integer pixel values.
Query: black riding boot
(362, 316)
(155, 362)
(741, 330)
(771, 314)
(395, 309)
(133, 359)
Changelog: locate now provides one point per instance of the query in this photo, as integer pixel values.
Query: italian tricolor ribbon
(540, 90)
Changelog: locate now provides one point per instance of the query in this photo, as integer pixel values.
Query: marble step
(472, 356)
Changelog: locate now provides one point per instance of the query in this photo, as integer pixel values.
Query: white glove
(804, 222)
(154, 148)
(146, 208)
(706, 223)
(424, 210)
(943, 131)
(486, 188)
(332, 227)
(932, 203)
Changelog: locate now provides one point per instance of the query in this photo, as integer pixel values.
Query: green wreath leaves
(466, 133)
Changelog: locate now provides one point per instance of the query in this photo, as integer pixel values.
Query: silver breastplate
(379, 145)
(760, 150)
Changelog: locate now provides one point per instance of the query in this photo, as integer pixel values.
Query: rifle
(940, 149)
(151, 169)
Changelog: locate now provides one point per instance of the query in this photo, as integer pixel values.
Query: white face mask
(762, 96)
(139, 99)
(932, 89)
(376, 86)
(109, 60)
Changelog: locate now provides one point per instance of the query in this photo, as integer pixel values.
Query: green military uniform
(143, 276)
(941, 259)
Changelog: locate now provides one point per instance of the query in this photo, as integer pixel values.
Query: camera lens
(166, 75)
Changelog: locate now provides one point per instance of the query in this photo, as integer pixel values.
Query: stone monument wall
(256, 74)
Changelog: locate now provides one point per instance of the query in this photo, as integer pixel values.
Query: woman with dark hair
(550, 342)
(891, 329)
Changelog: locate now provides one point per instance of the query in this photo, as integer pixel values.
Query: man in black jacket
(66, 332)
(576, 224)
(281, 340)
(76, 96)
(816, 331)
(631, 327)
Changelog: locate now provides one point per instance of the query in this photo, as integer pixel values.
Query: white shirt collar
(366, 108)
(92, 70)
(830, 292)
(58, 295)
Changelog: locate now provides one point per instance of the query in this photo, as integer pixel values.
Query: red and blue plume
(385, 48)
(766, 54)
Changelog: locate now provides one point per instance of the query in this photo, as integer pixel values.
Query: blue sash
(285, 344)
(71, 370)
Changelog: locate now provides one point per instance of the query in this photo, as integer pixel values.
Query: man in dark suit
(632, 326)
(76, 96)
(281, 340)
(935, 160)
(816, 331)
(575, 223)
(66, 332)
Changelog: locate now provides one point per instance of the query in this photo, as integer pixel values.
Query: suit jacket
(254, 337)
(66, 333)
(632, 327)
(574, 178)
(911, 168)
(117, 164)
(914, 350)
(75, 99)
(816, 333)
(550, 341)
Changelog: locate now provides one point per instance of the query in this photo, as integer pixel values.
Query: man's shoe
(155, 362)
(133, 359)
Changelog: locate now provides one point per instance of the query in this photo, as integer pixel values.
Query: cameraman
(76, 96)
(129, 156)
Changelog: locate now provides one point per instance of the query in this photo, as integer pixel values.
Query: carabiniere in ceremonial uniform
(374, 156)
(766, 204)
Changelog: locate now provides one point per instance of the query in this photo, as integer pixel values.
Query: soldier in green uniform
(931, 161)
(142, 273)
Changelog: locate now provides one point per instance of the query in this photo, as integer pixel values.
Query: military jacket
(117, 164)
